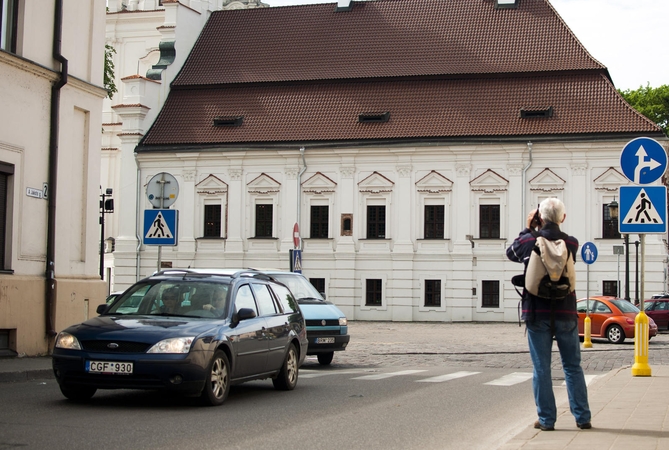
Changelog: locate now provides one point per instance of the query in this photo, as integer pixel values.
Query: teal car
(327, 326)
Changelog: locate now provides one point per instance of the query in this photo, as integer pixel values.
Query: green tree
(109, 71)
(651, 102)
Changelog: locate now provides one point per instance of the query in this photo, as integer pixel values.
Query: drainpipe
(523, 213)
(53, 172)
(137, 224)
(299, 187)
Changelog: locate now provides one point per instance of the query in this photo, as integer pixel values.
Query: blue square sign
(160, 226)
(643, 209)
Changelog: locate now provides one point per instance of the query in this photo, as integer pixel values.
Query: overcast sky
(625, 35)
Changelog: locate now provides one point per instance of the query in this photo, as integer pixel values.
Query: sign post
(618, 250)
(643, 209)
(589, 256)
(162, 191)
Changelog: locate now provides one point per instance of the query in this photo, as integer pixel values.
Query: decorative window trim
(263, 190)
(434, 189)
(547, 181)
(375, 190)
(610, 180)
(318, 190)
(212, 190)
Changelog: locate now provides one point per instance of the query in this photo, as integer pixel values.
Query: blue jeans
(541, 343)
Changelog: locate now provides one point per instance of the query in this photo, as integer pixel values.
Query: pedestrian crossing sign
(160, 226)
(643, 209)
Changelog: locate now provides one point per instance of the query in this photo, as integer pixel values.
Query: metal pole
(618, 278)
(627, 267)
(636, 278)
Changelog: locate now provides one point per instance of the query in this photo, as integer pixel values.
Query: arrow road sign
(643, 160)
(160, 226)
(643, 209)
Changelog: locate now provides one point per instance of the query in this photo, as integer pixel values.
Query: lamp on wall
(613, 212)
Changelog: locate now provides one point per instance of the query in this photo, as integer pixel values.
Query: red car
(610, 318)
(658, 310)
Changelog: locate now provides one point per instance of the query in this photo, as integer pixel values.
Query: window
(9, 22)
(244, 299)
(265, 301)
(376, 221)
(373, 292)
(286, 299)
(610, 288)
(6, 171)
(490, 294)
(609, 225)
(432, 292)
(264, 220)
(212, 220)
(318, 283)
(319, 221)
(489, 221)
(434, 222)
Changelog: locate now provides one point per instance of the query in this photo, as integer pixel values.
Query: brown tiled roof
(441, 69)
(583, 103)
(384, 38)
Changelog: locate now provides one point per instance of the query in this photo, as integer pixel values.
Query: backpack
(550, 271)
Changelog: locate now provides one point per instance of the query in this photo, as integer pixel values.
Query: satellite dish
(163, 190)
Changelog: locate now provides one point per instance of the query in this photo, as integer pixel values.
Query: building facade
(406, 139)
(51, 76)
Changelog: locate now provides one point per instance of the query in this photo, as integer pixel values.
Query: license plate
(109, 367)
(328, 340)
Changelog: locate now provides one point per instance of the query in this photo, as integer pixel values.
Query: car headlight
(173, 345)
(66, 340)
(343, 321)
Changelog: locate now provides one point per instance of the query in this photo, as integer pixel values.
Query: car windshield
(625, 306)
(300, 287)
(174, 298)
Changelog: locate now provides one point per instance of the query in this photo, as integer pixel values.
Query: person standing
(537, 311)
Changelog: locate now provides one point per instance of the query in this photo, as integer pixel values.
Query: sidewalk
(627, 412)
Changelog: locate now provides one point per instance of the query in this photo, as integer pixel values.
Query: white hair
(552, 210)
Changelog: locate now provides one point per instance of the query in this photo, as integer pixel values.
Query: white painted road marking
(381, 376)
(447, 377)
(511, 379)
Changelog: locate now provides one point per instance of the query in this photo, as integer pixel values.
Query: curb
(27, 375)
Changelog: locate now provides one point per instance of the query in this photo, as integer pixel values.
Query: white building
(407, 138)
(51, 76)
(151, 40)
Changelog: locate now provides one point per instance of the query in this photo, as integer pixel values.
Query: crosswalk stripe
(447, 377)
(511, 379)
(321, 373)
(381, 376)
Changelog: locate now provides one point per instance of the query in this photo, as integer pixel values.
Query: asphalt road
(398, 386)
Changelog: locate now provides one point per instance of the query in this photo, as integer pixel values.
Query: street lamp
(106, 207)
(613, 212)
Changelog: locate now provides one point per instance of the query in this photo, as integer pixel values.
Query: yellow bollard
(587, 332)
(641, 368)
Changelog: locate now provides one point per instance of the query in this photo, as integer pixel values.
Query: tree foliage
(651, 102)
(109, 71)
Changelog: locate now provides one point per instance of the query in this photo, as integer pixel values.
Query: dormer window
(228, 121)
(344, 5)
(536, 113)
(506, 4)
(374, 117)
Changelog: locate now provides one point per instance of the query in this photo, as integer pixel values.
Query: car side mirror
(242, 314)
(245, 314)
(102, 308)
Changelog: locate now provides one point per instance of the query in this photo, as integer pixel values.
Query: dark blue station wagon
(191, 331)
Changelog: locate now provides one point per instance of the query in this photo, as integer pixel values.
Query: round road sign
(162, 190)
(296, 235)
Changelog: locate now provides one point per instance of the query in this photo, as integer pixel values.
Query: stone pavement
(628, 412)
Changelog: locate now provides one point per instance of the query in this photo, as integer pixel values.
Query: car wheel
(615, 334)
(325, 358)
(78, 394)
(286, 380)
(217, 384)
